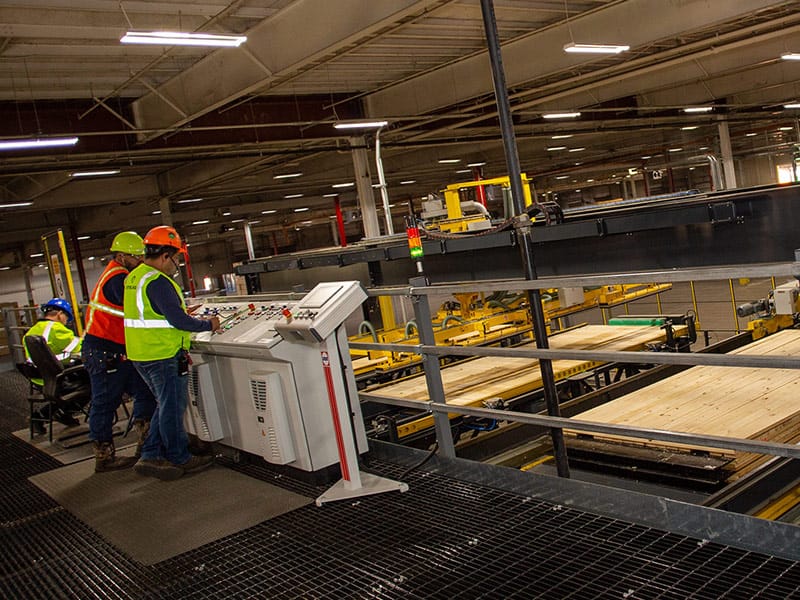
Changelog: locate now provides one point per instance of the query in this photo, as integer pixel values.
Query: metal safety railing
(431, 352)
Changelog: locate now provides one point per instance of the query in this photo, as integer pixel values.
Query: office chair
(62, 388)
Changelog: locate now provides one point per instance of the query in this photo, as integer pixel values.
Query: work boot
(105, 458)
(142, 428)
(158, 468)
(197, 463)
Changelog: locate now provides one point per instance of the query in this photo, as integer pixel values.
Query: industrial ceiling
(201, 133)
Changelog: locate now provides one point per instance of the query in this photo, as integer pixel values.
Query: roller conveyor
(487, 379)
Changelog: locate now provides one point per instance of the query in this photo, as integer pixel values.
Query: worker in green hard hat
(104, 356)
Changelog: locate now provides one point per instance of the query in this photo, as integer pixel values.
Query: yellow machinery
(477, 320)
(776, 312)
(456, 221)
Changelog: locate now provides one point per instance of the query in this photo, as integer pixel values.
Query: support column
(523, 229)
(166, 211)
(248, 239)
(727, 154)
(366, 201)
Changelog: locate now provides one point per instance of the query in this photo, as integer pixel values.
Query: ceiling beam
(305, 34)
(540, 54)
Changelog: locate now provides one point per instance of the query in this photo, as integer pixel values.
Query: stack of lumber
(469, 383)
(738, 402)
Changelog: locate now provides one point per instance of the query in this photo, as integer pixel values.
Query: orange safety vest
(103, 318)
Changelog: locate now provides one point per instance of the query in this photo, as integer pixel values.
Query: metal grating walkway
(442, 539)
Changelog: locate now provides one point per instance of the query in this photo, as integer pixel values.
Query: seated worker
(66, 346)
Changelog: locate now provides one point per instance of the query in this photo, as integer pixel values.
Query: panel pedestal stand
(354, 483)
(370, 484)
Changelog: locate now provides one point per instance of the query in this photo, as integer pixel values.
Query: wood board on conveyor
(739, 402)
(485, 378)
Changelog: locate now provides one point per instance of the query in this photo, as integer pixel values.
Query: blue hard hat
(59, 304)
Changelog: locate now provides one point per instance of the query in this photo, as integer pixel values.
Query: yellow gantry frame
(55, 265)
(453, 199)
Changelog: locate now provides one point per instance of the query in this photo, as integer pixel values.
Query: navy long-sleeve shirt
(165, 300)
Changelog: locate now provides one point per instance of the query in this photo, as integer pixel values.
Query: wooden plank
(471, 382)
(736, 402)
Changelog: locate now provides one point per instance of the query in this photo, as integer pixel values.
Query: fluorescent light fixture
(689, 128)
(645, 157)
(562, 136)
(303, 209)
(84, 237)
(156, 212)
(703, 148)
(787, 128)
(227, 213)
(306, 222)
(555, 148)
(238, 221)
(674, 149)
(254, 222)
(476, 164)
(791, 56)
(15, 204)
(4, 268)
(464, 171)
(290, 196)
(449, 161)
(91, 258)
(376, 185)
(343, 185)
(792, 105)
(409, 182)
(287, 175)
(37, 143)
(37, 255)
(751, 134)
(577, 149)
(271, 211)
(177, 38)
(574, 48)
(360, 124)
(202, 222)
(578, 190)
(188, 200)
(589, 180)
(698, 109)
(95, 173)
(329, 195)
(562, 115)
(562, 176)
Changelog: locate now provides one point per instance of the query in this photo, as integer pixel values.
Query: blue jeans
(110, 377)
(167, 438)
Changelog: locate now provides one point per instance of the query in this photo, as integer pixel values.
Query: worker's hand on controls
(214, 323)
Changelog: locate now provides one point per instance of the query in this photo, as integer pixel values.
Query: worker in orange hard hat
(157, 337)
(105, 358)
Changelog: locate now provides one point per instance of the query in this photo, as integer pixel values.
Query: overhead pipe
(523, 229)
(387, 213)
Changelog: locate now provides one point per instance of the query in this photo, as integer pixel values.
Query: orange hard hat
(163, 235)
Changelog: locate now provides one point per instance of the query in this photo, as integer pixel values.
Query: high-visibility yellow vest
(59, 338)
(148, 334)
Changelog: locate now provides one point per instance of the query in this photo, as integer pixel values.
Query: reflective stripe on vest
(103, 318)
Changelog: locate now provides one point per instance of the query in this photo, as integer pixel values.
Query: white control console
(263, 383)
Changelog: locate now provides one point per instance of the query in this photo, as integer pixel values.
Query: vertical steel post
(523, 227)
(433, 374)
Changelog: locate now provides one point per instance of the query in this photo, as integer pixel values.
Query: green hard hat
(128, 242)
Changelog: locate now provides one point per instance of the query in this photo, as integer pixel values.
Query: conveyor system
(741, 227)
(475, 320)
(497, 381)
